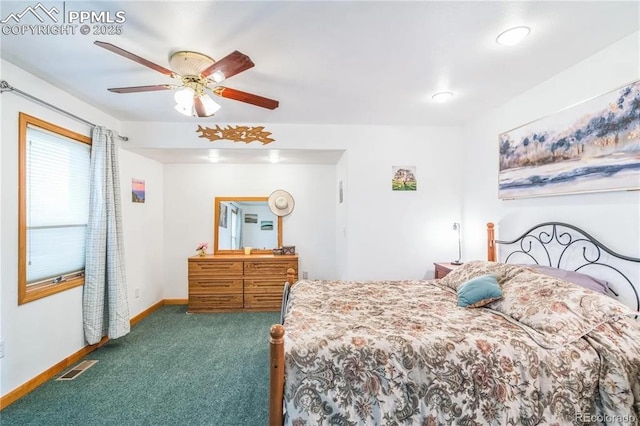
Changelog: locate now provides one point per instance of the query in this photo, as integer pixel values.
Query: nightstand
(443, 268)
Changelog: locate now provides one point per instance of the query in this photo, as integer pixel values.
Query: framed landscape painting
(593, 146)
(137, 191)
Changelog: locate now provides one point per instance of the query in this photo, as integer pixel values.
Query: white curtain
(105, 306)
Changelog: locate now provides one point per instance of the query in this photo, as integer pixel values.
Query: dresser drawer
(213, 302)
(272, 286)
(215, 285)
(209, 268)
(269, 268)
(269, 301)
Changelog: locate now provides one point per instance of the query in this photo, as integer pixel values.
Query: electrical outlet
(137, 292)
(305, 275)
(1, 348)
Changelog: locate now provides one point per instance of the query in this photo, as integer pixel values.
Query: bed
(547, 351)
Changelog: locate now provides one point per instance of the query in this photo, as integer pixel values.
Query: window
(54, 166)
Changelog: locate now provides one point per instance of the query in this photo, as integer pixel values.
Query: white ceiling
(327, 62)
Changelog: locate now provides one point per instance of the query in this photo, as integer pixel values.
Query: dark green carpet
(172, 369)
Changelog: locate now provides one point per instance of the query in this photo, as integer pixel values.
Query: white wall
(342, 213)
(613, 217)
(41, 333)
(399, 234)
(143, 224)
(1, 236)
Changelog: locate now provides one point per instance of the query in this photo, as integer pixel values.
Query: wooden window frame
(36, 291)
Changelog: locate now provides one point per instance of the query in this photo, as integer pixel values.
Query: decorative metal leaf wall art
(246, 134)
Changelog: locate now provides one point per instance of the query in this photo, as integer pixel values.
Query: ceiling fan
(198, 74)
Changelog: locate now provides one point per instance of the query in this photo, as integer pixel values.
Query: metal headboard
(568, 247)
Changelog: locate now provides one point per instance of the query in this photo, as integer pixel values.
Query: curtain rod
(6, 87)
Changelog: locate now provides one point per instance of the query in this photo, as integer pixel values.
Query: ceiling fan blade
(135, 58)
(232, 64)
(249, 98)
(134, 89)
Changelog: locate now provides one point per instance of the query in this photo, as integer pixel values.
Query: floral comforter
(403, 353)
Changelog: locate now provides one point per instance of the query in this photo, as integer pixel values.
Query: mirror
(245, 222)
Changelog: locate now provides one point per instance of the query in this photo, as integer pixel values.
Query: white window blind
(57, 204)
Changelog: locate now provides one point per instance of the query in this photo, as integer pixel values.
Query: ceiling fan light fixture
(184, 97)
(184, 110)
(197, 73)
(185, 62)
(513, 36)
(210, 106)
(217, 76)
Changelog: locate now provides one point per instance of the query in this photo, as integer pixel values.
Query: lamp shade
(183, 110)
(210, 107)
(217, 76)
(184, 97)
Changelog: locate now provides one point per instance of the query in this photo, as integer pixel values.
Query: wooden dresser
(225, 283)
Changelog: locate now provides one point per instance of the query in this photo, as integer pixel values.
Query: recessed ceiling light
(512, 36)
(441, 97)
(274, 157)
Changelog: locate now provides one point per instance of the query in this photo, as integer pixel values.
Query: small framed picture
(404, 178)
(137, 191)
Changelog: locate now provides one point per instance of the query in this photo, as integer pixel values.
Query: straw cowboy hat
(281, 202)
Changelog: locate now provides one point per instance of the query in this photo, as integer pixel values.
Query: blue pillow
(479, 291)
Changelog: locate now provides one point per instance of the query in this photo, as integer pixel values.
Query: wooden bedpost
(276, 378)
(291, 276)
(491, 246)
(276, 373)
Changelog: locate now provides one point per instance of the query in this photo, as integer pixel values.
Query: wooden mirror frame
(216, 224)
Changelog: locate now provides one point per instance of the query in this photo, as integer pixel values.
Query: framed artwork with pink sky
(137, 191)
